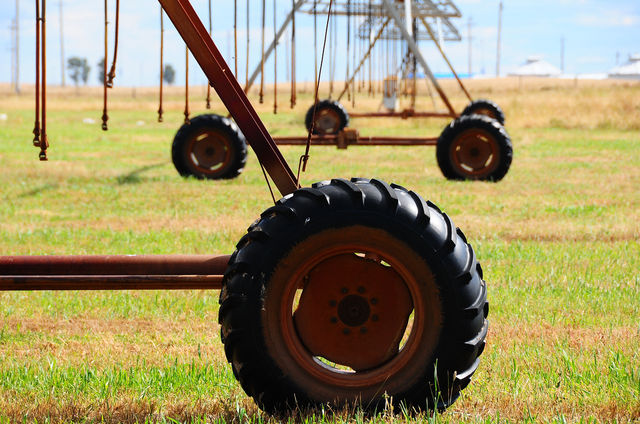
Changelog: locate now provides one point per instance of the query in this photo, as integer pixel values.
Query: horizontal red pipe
(362, 141)
(119, 272)
(114, 265)
(403, 114)
(397, 141)
(110, 282)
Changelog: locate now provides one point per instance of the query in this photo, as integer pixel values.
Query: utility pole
(62, 70)
(17, 48)
(470, 41)
(499, 34)
(562, 54)
(12, 28)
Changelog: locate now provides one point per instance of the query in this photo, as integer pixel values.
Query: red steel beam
(110, 282)
(330, 140)
(403, 114)
(397, 141)
(220, 77)
(119, 272)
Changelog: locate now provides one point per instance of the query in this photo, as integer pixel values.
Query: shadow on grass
(37, 190)
(134, 177)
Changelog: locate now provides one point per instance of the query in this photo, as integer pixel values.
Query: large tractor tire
(330, 118)
(474, 147)
(353, 293)
(210, 147)
(486, 108)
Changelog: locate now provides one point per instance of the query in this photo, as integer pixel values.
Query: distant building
(630, 70)
(536, 67)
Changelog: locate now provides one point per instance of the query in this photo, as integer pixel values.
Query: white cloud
(608, 18)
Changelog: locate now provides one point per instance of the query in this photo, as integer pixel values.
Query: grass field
(558, 238)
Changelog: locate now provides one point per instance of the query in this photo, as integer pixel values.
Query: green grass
(558, 239)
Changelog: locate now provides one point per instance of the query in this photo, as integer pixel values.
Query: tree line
(79, 70)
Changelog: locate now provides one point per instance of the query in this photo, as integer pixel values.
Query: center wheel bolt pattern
(362, 320)
(353, 310)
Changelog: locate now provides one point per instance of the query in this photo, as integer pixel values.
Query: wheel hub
(475, 152)
(327, 121)
(353, 311)
(209, 151)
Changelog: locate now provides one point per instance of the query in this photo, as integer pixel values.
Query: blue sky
(594, 31)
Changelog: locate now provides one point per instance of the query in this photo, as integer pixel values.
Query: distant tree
(169, 74)
(100, 70)
(78, 69)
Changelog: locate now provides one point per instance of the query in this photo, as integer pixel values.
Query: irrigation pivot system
(347, 292)
(474, 146)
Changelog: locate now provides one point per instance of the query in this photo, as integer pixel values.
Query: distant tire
(486, 108)
(474, 147)
(353, 292)
(331, 118)
(210, 147)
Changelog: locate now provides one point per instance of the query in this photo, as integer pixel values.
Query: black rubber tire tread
(328, 104)
(339, 204)
(203, 122)
(476, 105)
(467, 122)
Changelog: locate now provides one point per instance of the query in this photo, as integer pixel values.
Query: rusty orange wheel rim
(352, 314)
(475, 153)
(327, 121)
(209, 152)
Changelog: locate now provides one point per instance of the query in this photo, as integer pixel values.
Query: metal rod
(329, 140)
(110, 282)
(117, 272)
(114, 265)
(404, 114)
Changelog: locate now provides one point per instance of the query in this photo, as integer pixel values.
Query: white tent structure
(630, 70)
(536, 67)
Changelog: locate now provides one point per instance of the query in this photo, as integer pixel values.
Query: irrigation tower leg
(393, 13)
